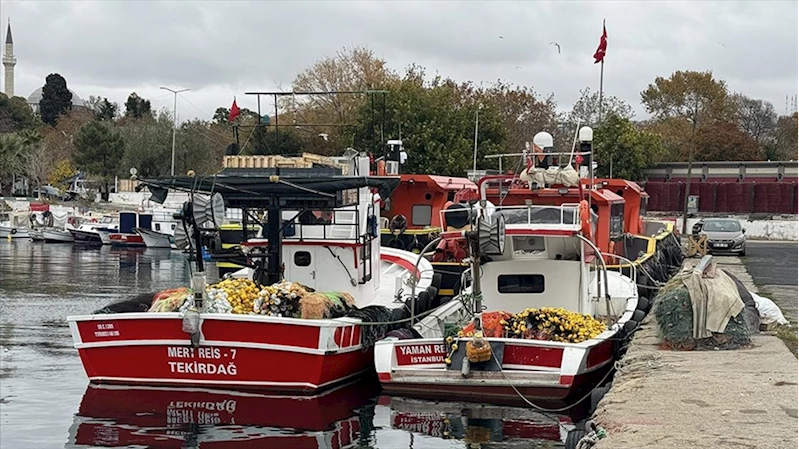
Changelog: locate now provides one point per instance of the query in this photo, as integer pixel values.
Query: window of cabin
(616, 220)
(158, 226)
(520, 283)
(422, 215)
(302, 258)
(528, 245)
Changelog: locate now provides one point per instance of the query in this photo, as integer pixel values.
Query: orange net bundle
(491, 323)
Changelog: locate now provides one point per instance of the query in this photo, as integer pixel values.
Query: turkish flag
(578, 158)
(599, 56)
(234, 111)
(539, 152)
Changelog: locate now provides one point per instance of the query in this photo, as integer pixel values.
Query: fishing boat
(56, 235)
(87, 230)
(127, 236)
(121, 416)
(155, 239)
(226, 350)
(540, 271)
(35, 234)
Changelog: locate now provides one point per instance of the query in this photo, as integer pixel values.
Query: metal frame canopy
(272, 191)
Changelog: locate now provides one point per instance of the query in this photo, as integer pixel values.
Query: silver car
(724, 235)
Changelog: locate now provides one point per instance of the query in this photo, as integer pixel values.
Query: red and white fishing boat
(533, 256)
(129, 222)
(260, 351)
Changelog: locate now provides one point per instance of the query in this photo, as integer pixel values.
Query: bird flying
(501, 37)
(556, 44)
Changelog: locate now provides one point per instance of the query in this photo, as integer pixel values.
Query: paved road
(773, 267)
(772, 263)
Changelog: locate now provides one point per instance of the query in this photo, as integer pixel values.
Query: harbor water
(46, 400)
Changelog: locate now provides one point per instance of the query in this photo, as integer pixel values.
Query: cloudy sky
(224, 49)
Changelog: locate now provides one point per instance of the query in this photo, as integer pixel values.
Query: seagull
(518, 67)
(556, 44)
(721, 44)
(501, 37)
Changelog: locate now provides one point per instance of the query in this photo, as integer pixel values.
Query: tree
(14, 151)
(755, 117)
(783, 145)
(436, 122)
(15, 114)
(148, 146)
(690, 95)
(98, 151)
(56, 99)
(198, 148)
(102, 108)
(521, 112)
(724, 141)
(137, 107)
(350, 70)
(629, 149)
(586, 109)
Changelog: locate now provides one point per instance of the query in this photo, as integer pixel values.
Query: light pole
(691, 149)
(476, 123)
(175, 122)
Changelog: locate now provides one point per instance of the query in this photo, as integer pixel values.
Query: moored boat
(126, 236)
(55, 235)
(154, 239)
(230, 350)
(547, 315)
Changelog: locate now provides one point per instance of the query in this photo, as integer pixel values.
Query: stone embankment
(702, 399)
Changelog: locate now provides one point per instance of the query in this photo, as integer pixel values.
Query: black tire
(573, 438)
(596, 395)
(13, 231)
(638, 315)
(742, 254)
(643, 304)
(436, 281)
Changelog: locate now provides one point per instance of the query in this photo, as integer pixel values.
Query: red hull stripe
(547, 232)
(522, 356)
(404, 263)
(599, 354)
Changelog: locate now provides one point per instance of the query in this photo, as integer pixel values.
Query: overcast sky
(224, 49)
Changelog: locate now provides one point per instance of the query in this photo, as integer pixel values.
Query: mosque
(9, 61)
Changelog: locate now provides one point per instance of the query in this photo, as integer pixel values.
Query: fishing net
(138, 303)
(675, 316)
(375, 321)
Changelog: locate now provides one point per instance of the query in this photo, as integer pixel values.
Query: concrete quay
(702, 399)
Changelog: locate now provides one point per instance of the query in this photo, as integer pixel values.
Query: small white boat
(36, 234)
(14, 232)
(55, 235)
(154, 239)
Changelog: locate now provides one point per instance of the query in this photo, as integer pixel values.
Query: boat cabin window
(520, 283)
(302, 258)
(158, 226)
(644, 205)
(616, 220)
(173, 226)
(528, 245)
(422, 215)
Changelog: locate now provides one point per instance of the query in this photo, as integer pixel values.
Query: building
(35, 97)
(9, 61)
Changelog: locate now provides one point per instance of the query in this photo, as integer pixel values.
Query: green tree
(436, 123)
(56, 99)
(148, 146)
(99, 149)
(586, 109)
(629, 149)
(199, 148)
(783, 145)
(15, 114)
(755, 117)
(14, 153)
(138, 107)
(690, 95)
(102, 108)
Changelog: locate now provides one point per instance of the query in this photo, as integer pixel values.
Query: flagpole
(601, 78)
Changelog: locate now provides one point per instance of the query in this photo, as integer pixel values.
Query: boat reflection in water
(345, 417)
(487, 425)
(117, 416)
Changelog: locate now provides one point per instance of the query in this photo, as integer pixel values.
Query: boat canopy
(259, 192)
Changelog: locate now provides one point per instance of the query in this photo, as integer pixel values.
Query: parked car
(724, 235)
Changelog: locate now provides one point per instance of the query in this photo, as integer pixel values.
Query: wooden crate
(307, 160)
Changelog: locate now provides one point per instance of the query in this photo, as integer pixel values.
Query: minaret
(9, 61)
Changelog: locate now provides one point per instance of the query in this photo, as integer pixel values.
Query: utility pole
(688, 182)
(175, 122)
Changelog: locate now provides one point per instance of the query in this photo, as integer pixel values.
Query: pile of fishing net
(170, 300)
(674, 312)
(547, 323)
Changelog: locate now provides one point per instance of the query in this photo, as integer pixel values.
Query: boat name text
(203, 368)
(106, 330)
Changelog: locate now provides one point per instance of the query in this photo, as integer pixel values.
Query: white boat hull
(57, 236)
(154, 239)
(14, 232)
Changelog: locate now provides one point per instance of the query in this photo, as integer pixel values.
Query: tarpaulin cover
(249, 191)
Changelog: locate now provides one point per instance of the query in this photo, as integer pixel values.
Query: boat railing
(620, 263)
(323, 224)
(564, 214)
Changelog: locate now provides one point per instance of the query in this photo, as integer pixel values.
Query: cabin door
(303, 268)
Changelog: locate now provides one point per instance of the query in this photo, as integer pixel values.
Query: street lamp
(691, 149)
(476, 122)
(175, 122)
